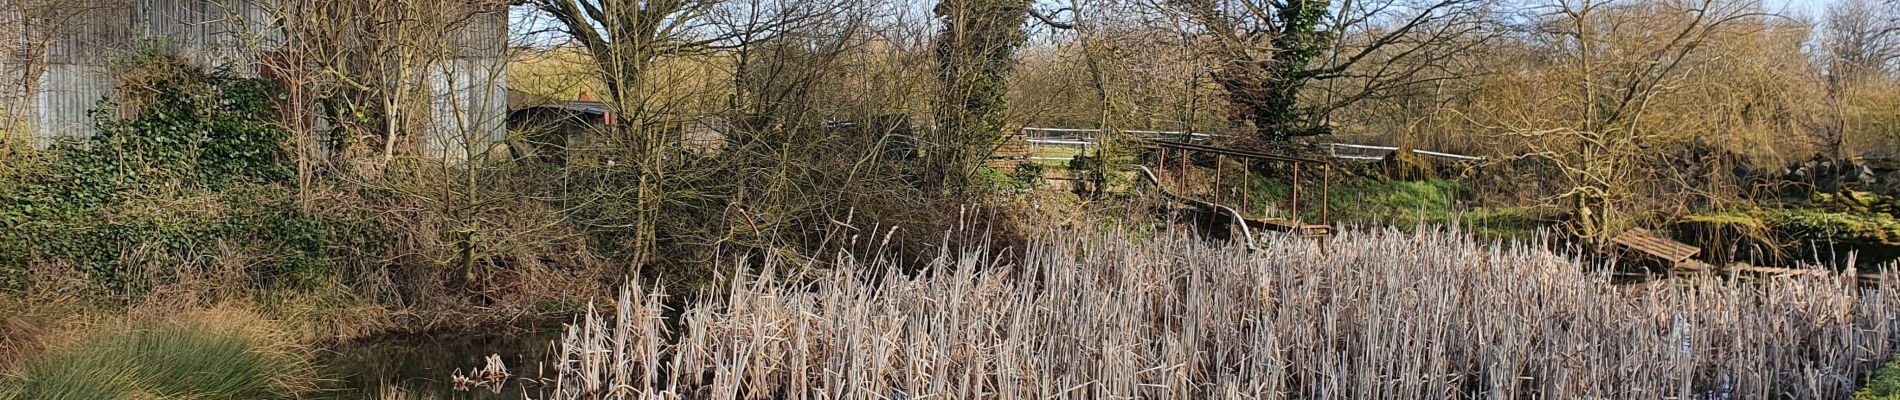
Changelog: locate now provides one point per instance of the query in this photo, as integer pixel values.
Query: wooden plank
(1740, 267)
(1848, 276)
(1694, 266)
(1642, 240)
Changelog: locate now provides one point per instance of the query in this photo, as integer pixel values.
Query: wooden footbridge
(1189, 171)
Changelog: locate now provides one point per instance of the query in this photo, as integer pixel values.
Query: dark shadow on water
(420, 366)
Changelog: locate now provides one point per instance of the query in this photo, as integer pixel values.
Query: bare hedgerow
(1375, 315)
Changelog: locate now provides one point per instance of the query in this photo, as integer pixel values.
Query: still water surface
(420, 366)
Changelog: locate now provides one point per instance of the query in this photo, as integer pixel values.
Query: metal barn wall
(68, 93)
(78, 44)
(70, 53)
(468, 108)
(468, 91)
(221, 34)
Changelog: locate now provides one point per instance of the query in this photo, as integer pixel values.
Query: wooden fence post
(1296, 192)
(1246, 180)
(1219, 161)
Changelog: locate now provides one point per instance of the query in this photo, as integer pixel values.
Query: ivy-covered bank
(192, 195)
(1827, 227)
(195, 170)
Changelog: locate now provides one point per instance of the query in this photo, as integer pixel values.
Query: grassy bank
(206, 355)
(1404, 204)
(1825, 227)
(194, 197)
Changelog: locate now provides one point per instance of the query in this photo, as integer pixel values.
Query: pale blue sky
(1811, 8)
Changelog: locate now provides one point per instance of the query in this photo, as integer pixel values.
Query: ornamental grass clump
(203, 356)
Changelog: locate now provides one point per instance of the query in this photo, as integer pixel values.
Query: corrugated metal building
(70, 49)
(468, 91)
(12, 54)
(55, 64)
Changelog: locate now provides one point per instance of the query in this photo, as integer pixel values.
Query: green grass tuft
(1405, 205)
(1408, 201)
(161, 362)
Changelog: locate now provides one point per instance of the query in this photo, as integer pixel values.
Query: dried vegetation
(1381, 314)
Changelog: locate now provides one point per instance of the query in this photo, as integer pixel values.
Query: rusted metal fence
(1362, 152)
(1173, 161)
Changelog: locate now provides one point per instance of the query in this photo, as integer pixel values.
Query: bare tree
(1615, 64)
(626, 40)
(1267, 52)
(16, 72)
(1860, 54)
(627, 37)
(1861, 37)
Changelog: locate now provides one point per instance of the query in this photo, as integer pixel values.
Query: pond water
(420, 366)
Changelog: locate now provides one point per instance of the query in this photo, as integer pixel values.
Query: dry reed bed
(1379, 315)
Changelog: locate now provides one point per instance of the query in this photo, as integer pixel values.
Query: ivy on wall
(197, 164)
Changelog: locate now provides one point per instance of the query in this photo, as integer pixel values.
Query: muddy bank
(1726, 240)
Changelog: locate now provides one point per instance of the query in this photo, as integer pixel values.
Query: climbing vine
(1265, 89)
(197, 162)
(975, 54)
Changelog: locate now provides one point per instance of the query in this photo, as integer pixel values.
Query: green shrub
(1883, 384)
(1028, 174)
(162, 362)
(201, 165)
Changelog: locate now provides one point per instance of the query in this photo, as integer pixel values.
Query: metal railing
(1175, 158)
(1085, 138)
(1091, 134)
(1358, 152)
